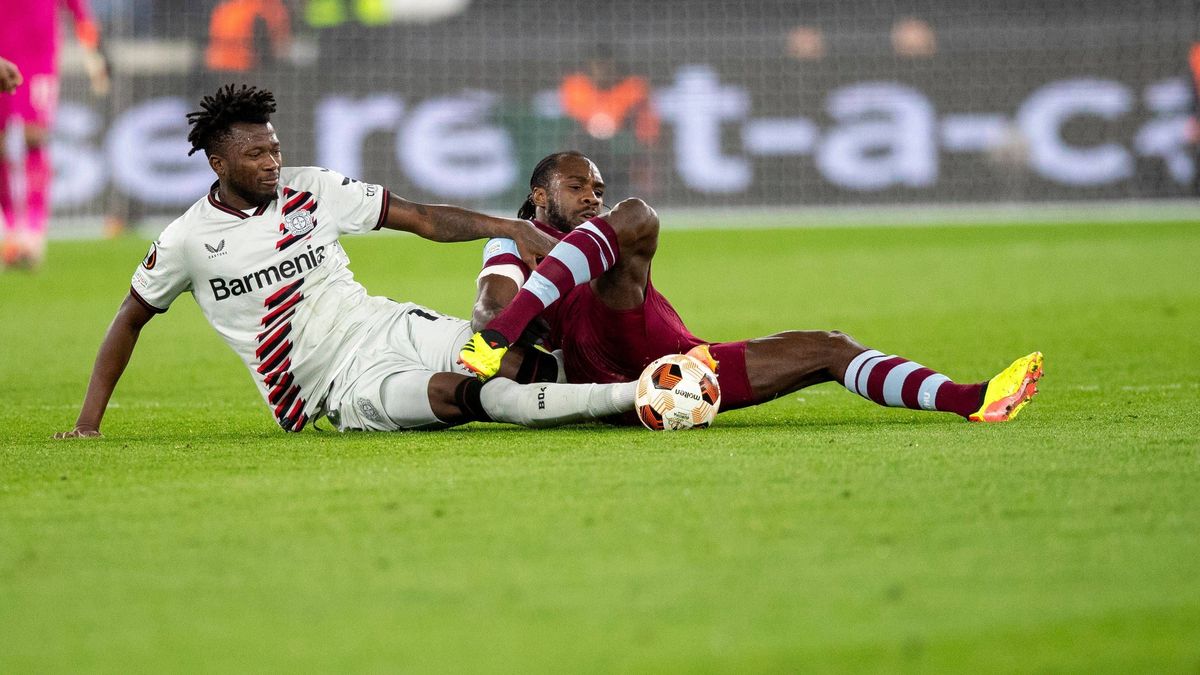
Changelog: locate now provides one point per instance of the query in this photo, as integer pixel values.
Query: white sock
(545, 404)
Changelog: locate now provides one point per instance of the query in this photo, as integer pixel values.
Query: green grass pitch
(815, 533)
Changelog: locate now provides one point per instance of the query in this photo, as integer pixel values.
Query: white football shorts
(404, 352)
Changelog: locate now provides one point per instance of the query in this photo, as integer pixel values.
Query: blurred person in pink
(29, 35)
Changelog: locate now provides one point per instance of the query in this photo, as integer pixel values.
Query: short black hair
(541, 178)
(210, 124)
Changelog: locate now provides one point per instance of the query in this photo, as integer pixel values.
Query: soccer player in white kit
(260, 255)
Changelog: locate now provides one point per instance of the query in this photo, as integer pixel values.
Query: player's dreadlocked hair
(541, 178)
(210, 124)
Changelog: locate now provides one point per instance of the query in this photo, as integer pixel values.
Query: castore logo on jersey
(216, 251)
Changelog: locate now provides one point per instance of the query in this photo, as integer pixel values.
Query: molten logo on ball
(677, 392)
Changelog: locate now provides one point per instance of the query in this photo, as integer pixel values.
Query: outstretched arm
(114, 355)
(451, 223)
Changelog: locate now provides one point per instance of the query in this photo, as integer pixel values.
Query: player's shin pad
(547, 405)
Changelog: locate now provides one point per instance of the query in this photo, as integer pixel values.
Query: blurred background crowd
(688, 103)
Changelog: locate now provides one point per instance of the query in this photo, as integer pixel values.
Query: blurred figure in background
(913, 38)
(1193, 127)
(617, 119)
(234, 30)
(29, 35)
(806, 43)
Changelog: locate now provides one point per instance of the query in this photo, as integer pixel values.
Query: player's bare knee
(842, 342)
(636, 225)
(633, 215)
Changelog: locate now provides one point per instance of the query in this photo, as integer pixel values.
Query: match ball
(677, 392)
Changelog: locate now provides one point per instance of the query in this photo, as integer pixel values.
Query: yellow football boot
(1009, 391)
(482, 354)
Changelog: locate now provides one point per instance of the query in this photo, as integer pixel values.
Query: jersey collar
(222, 206)
(548, 229)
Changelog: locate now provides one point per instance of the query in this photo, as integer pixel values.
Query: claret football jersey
(274, 282)
(599, 344)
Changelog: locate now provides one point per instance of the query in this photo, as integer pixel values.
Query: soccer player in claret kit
(260, 255)
(602, 311)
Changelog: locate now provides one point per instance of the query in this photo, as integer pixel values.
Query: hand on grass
(78, 432)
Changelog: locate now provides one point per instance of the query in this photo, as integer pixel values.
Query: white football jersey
(274, 282)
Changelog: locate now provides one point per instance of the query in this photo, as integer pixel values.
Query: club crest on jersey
(368, 410)
(298, 223)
